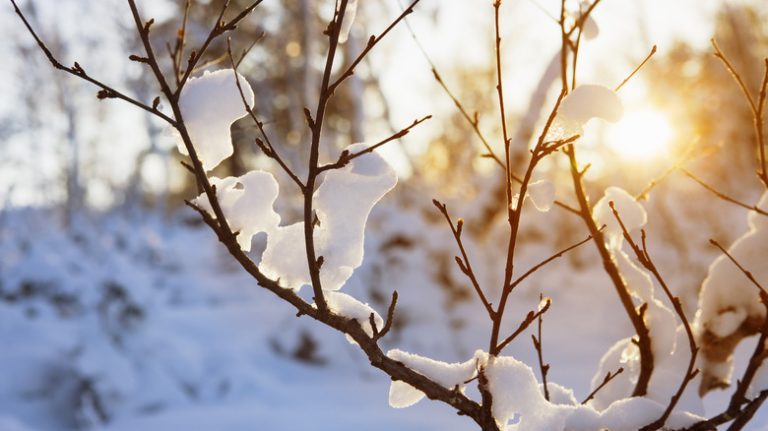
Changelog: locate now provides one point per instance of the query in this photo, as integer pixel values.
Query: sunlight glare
(641, 134)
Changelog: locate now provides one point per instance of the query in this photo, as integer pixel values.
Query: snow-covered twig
(740, 409)
(645, 259)
(635, 316)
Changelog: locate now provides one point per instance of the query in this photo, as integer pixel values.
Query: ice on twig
(349, 18)
(247, 204)
(342, 204)
(729, 304)
(447, 375)
(209, 105)
(541, 193)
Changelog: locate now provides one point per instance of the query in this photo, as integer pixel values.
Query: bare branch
(529, 318)
(637, 69)
(608, 377)
(345, 157)
(271, 152)
(463, 262)
(106, 92)
(722, 195)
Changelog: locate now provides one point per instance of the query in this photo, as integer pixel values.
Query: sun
(641, 134)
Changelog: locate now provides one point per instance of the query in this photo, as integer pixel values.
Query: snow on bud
(544, 303)
(209, 105)
(349, 17)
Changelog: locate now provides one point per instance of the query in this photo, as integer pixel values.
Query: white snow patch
(584, 103)
(445, 374)
(632, 214)
(342, 204)
(349, 18)
(347, 306)
(727, 297)
(209, 105)
(247, 202)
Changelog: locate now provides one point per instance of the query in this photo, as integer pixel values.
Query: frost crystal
(247, 204)
(342, 205)
(729, 304)
(209, 105)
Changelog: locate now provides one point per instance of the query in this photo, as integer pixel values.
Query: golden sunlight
(644, 133)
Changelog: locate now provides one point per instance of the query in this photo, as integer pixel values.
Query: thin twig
(464, 262)
(722, 195)
(543, 368)
(609, 264)
(372, 41)
(539, 265)
(529, 318)
(269, 149)
(608, 377)
(757, 108)
(218, 29)
(345, 157)
(390, 318)
(107, 92)
(637, 69)
(645, 259)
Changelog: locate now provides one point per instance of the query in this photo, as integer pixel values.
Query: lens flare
(641, 134)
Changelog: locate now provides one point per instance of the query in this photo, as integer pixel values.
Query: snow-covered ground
(127, 324)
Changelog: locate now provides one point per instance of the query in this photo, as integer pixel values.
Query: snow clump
(342, 204)
(581, 105)
(209, 105)
(541, 193)
(729, 304)
(402, 394)
(247, 204)
(349, 18)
